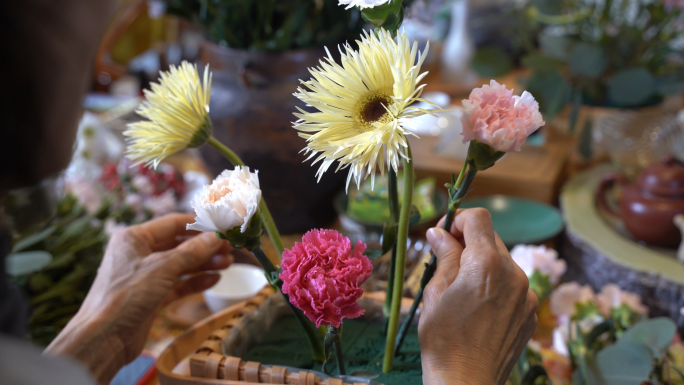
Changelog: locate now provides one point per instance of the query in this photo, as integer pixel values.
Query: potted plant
(601, 58)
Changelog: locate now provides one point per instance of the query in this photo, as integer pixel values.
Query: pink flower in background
(494, 116)
(162, 204)
(672, 4)
(322, 275)
(565, 298)
(532, 258)
(85, 192)
(611, 297)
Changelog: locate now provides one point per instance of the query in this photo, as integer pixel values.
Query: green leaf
(624, 364)
(556, 47)
(670, 85)
(585, 310)
(551, 90)
(389, 236)
(491, 62)
(535, 374)
(414, 215)
(587, 60)
(33, 239)
(62, 260)
(539, 62)
(654, 334)
(378, 15)
(27, 262)
(540, 284)
(630, 88)
(373, 254)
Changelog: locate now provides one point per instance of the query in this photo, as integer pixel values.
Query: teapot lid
(664, 178)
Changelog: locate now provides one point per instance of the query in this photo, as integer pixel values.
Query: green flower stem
(394, 218)
(456, 194)
(337, 343)
(309, 328)
(402, 237)
(266, 217)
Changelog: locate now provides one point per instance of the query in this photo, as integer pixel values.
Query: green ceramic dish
(520, 220)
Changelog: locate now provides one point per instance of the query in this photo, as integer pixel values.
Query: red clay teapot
(648, 206)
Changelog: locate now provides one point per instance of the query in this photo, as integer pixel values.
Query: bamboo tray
(205, 344)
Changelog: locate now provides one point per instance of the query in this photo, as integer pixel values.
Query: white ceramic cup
(238, 283)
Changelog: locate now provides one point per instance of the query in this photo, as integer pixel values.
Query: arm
(144, 269)
(479, 312)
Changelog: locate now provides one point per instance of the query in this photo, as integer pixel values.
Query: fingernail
(434, 237)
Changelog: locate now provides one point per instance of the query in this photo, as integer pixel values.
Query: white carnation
(231, 200)
(362, 3)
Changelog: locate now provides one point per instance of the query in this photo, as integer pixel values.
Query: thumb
(448, 252)
(196, 251)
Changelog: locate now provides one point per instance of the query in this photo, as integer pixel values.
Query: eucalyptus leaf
(491, 62)
(414, 215)
(587, 60)
(625, 363)
(27, 262)
(631, 88)
(373, 254)
(540, 62)
(551, 90)
(33, 239)
(669, 85)
(574, 113)
(654, 334)
(557, 47)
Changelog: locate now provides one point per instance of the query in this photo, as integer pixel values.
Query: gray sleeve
(23, 364)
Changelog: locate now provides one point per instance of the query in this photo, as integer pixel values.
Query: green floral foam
(363, 345)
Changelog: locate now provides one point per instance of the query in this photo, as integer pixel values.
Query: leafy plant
(54, 264)
(271, 25)
(612, 53)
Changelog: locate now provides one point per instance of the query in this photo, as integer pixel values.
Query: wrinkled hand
(145, 267)
(479, 312)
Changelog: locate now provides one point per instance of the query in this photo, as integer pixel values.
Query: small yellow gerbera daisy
(177, 109)
(363, 105)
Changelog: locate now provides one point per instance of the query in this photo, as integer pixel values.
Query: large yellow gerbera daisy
(177, 109)
(363, 105)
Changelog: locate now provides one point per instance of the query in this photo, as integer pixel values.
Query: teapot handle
(606, 182)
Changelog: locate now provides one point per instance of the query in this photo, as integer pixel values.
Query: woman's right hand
(479, 312)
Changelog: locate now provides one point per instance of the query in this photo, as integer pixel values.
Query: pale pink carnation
(611, 297)
(565, 298)
(494, 116)
(322, 275)
(532, 258)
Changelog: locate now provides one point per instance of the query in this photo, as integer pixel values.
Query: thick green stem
(338, 356)
(310, 329)
(456, 194)
(394, 218)
(402, 237)
(266, 217)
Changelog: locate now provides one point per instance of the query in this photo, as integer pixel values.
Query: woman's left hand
(145, 267)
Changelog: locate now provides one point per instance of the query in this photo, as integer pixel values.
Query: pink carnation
(494, 116)
(322, 276)
(611, 297)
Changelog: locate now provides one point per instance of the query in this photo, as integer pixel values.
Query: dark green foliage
(271, 25)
